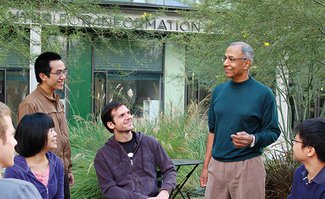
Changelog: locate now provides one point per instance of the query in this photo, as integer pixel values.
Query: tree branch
(322, 4)
(321, 30)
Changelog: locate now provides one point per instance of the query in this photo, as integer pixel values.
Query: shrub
(279, 166)
(183, 136)
(86, 138)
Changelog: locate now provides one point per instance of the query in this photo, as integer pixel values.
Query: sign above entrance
(143, 21)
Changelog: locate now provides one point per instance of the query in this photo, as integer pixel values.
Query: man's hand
(163, 194)
(242, 139)
(71, 179)
(204, 177)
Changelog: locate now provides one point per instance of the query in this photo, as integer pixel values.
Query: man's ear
(110, 125)
(247, 64)
(43, 76)
(310, 151)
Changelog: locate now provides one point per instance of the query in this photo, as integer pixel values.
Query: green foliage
(86, 137)
(257, 24)
(279, 167)
(288, 39)
(183, 136)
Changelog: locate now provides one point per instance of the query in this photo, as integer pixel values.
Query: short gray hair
(246, 49)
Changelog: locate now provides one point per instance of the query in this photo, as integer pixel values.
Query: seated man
(126, 165)
(11, 188)
(309, 149)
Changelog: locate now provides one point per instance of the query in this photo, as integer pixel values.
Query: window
(13, 87)
(126, 71)
(194, 92)
(14, 79)
(130, 89)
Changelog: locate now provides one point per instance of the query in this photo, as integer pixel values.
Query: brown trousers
(236, 180)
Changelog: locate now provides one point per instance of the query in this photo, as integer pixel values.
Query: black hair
(31, 133)
(106, 115)
(312, 133)
(42, 64)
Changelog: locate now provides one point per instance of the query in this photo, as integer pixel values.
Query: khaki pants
(236, 180)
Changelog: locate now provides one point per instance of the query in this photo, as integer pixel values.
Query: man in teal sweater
(242, 121)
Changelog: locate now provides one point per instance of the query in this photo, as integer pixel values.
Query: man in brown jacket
(51, 73)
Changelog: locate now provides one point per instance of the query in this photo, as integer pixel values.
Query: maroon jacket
(120, 177)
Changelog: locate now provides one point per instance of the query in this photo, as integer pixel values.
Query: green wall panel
(79, 82)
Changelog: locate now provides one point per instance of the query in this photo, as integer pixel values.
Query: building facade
(106, 65)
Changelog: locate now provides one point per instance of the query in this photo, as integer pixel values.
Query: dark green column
(79, 82)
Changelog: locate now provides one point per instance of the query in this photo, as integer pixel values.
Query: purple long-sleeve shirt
(54, 189)
(121, 177)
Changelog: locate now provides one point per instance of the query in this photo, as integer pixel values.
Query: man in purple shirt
(308, 148)
(126, 165)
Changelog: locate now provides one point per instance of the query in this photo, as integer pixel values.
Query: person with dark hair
(43, 65)
(51, 74)
(126, 165)
(242, 120)
(35, 163)
(11, 188)
(309, 149)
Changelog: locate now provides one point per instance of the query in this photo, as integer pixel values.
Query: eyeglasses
(60, 72)
(293, 140)
(233, 59)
